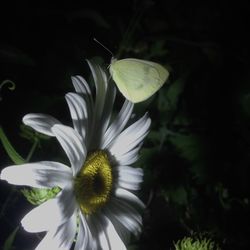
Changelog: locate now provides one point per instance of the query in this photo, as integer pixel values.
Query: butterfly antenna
(104, 47)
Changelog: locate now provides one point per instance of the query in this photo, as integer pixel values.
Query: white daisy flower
(96, 207)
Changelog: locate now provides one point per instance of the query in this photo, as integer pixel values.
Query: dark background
(197, 156)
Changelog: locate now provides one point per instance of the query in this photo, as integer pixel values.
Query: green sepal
(37, 196)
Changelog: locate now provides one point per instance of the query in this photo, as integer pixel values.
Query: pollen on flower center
(94, 182)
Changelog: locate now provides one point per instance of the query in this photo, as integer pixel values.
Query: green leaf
(9, 241)
(169, 97)
(178, 195)
(190, 147)
(194, 150)
(158, 49)
(14, 156)
(133, 247)
(159, 136)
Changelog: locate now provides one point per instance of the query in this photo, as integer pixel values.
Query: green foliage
(177, 195)
(190, 147)
(37, 196)
(157, 49)
(188, 243)
(8, 244)
(169, 97)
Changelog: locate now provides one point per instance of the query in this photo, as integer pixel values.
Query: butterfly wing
(138, 79)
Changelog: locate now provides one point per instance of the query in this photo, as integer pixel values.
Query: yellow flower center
(94, 182)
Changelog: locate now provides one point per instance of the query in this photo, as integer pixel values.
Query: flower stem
(32, 150)
(12, 153)
(17, 159)
(5, 204)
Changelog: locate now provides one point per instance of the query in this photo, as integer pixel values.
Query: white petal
(81, 86)
(126, 195)
(130, 137)
(110, 236)
(51, 213)
(102, 239)
(118, 124)
(79, 113)
(101, 83)
(41, 123)
(61, 238)
(84, 237)
(129, 178)
(129, 171)
(72, 144)
(105, 233)
(129, 217)
(94, 227)
(41, 174)
(107, 111)
(129, 157)
(128, 185)
(123, 231)
(100, 80)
